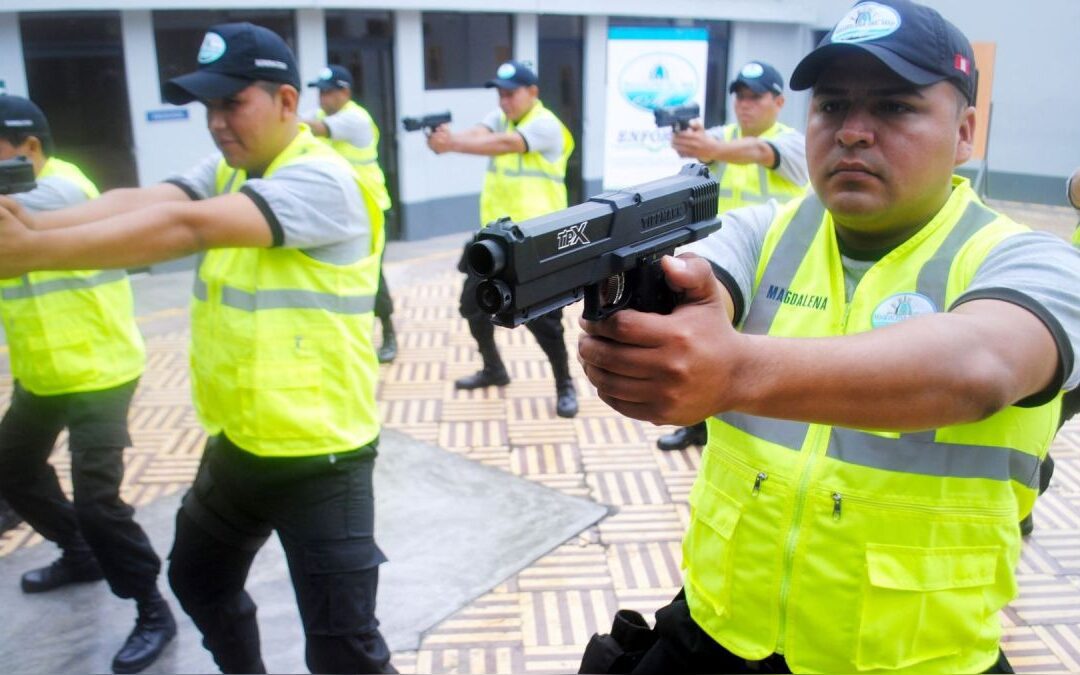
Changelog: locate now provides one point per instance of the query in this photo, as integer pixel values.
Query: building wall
(1031, 148)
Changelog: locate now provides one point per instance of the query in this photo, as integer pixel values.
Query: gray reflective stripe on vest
(288, 299)
(228, 184)
(28, 290)
(784, 263)
(522, 171)
(934, 275)
(781, 432)
(928, 458)
(720, 168)
(362, 162)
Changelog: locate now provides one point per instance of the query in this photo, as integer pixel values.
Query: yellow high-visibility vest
(850, 550)
(525, 185)
(71, 331)
(365, 160)
(748, 184)
(281, 354)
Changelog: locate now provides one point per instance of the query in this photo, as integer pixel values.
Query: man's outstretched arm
(110, 203)
(924, 373)
(132, 237)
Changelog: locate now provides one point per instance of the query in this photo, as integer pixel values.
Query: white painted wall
(527, 39)
(162, 148)
(594, 102)
(12, 70)
(310, 54)
(781, 45)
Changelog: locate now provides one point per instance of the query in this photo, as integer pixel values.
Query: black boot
(566, 399)
(683, 438)
(154, 628)
(388, 350)
(484, 378)
(70, 568)
(493, 373)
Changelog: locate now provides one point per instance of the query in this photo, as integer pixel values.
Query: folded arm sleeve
(1039, 272)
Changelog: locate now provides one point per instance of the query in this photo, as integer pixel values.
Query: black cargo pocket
(339, 595)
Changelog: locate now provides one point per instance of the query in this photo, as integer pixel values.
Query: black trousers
(323, 511)
(547, 329)
(683, 647)
(98, 521)
(384, 304)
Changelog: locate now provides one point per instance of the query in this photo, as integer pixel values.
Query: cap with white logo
(231, 57)
(912, 40)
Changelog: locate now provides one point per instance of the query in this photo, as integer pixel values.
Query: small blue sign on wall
(166, 114)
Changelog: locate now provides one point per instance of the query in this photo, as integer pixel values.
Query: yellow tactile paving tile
(539, 620)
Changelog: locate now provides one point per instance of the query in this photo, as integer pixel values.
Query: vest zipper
(761, 478)
(837, 499)
(793, 533)
(918, 508)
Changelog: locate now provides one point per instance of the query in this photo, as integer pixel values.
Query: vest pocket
(923, 603)
(59, 360)
(713, 518)
(281, 400)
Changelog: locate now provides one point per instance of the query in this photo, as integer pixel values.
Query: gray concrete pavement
(452, 528)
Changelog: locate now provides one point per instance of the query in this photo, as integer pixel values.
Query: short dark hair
(17, 137)
(267, 86)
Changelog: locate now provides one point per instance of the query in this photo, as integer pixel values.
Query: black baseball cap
(912, 40)
(21, 115)
(512, 75)
(232, 56)
(333, 77)
(760, 77)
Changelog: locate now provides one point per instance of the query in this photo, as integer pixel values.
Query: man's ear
(290, 98)
(965, 136)
(779, 101)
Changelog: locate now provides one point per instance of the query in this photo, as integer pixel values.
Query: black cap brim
(756, 87)
(202, 85)
(323, 86)
(808, 71)
(504, 84)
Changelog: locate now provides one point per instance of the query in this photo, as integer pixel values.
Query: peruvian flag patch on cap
(962, 63)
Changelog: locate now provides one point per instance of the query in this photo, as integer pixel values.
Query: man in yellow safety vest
(76, 358)
(282, 363)
(528, 149)
(885, 359)
(350, 129)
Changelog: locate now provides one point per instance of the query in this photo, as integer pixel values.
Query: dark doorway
(363, 42)
(562, 60)
(75, 73)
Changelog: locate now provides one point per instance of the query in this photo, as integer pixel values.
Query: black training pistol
(677, 117)
(606, 251)
(16, 175)
(427, 122)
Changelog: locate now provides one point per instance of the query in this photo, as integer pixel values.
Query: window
(464, 50)
(716, 78)
(178, 34)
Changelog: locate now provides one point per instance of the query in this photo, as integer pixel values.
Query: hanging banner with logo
(649, 68)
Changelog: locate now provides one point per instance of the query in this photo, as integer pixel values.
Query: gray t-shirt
(51, 193)
(790, 147)
(543, 135)
(349, 125)
(1035, 270)
(312, 206)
